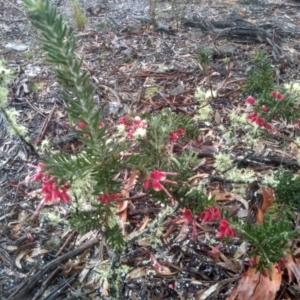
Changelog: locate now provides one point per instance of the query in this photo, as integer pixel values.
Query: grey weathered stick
(27, 285)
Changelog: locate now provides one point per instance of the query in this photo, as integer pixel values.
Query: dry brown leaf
(242, 200)
(145, 222)
(165, 271)
(214, 289)
(122, 206)
(29, 258)
(217, 117)
(259, 216)
(268, 197)
(85, 237)
(230, 265)
(294, 149)
(241, 250)
(136, 273)
(184, 230)
(254, 286)
(10, 247)
(38, 251)
(83, 274)
(19, 257)
(293, 267)
(222, 196)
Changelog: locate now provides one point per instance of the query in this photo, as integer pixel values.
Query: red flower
(277, 95)
(297, 122)
(155, 179)
(187, 215)
(53, 193)
(158, 175)
(260, 122)
(156, 185)
(81, 125)
(264, 108)
(39, 175)
(250, 100)
(189, 219)
(210, 214)
(225, 230)
(174, 135)
(107, 198)
(252, 117)
(268, 127)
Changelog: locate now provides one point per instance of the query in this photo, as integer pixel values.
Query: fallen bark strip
(29, 283)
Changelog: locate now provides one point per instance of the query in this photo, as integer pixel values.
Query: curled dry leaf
(293, 268)
(255, 286)
(38, 251)
(268, 197)
(19, 257)
(137, 273)
(183, 233)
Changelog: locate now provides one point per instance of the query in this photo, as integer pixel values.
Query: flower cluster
(81, 125)
(210, 214)
(134, 127)
(271, 105)
(254, 116)
(174, 135)
(259, 121)
(107, 198)
(53, 193)
(225, 230)
(277, 95)
(213, 213)
(155, 181)
(189, 219)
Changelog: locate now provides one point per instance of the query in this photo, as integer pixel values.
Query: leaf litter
(145, 71)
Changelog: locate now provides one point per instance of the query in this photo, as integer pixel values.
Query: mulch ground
(139, 67)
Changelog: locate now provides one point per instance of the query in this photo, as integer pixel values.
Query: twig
(46, 284)
(65, 243)
(14, 6)
(62, 287)
(28, 284)
(45, 126)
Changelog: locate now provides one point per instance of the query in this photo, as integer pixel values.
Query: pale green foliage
(200, 187)
(103, 272)
(203, 96)
(10, 114)
(82, 189)
(44, 146)
(297, 141)
(204, 114)
(239, 189)
(53, 217)
(222, 162)
(14, 128)
(249, 136)
(298, 158)
(270, 179)
(5, 78)
(294, 87)
(79, 15)
(246, 175)
(237, 120)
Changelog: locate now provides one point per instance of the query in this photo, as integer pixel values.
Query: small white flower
(121, 128)
(140, 132)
